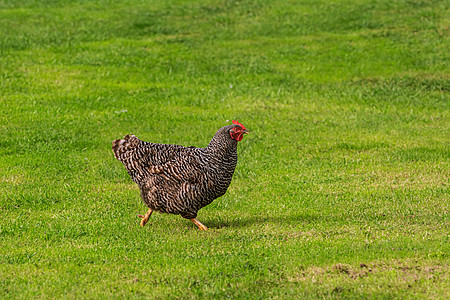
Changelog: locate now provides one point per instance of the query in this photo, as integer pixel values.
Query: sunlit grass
(341, 189)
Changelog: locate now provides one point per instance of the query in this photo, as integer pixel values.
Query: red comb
(235, 122)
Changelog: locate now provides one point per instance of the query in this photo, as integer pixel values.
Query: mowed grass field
(341, 189)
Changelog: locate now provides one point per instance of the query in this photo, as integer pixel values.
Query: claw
(146, 217)
(199, 224)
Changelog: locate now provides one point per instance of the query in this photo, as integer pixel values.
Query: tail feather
(122, 146)
(142, 158)
(130, 151)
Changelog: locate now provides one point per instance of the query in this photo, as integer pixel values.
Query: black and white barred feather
(176, 179)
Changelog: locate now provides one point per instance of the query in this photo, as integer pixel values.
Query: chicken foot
(199, 225)
(146, 217)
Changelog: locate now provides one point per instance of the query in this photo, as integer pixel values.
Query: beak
(246, 131)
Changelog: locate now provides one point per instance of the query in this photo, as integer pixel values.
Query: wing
(176, 186)
(183, 168)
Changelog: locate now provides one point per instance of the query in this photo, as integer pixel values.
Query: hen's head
(228, 136)
(237, 131)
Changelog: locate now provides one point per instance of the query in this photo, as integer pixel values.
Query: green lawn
(341, 189)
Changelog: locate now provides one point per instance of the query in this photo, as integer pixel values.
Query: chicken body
(180, 180)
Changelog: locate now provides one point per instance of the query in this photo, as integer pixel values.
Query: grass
(341, 190)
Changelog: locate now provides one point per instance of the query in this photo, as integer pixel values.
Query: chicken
(181, 180)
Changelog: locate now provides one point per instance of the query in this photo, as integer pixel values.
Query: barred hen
(181, 180)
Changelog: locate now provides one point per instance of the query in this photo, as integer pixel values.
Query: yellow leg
(146, 217)
(199, 225)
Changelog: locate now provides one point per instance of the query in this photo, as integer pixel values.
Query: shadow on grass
(291, 220)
